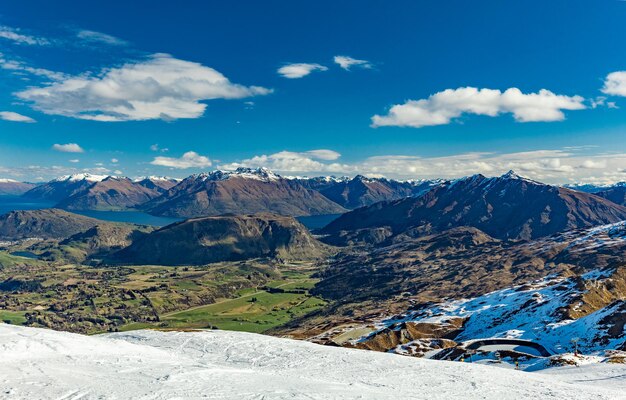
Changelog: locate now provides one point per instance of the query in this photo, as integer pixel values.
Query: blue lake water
(318, 221)
(10, 203)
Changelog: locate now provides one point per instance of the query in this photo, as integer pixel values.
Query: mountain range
(242, 191)
(96, 192)
(505, 207)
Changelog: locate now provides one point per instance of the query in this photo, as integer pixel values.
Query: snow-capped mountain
(113, 193)
(505, 207)
(243, 191)
(46, 364)
(63, 187)
(362, 191)
(81, 177)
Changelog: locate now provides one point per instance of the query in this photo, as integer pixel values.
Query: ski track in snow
(44, 364)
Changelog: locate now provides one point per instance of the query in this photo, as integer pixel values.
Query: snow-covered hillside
(533, 312)
(40, 364)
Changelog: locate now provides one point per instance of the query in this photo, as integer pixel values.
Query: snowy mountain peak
(261, 174)
(511, 175)
(7, 180)
(81, 177)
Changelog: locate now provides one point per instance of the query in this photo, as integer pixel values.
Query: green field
(254, 311)
(89, 299)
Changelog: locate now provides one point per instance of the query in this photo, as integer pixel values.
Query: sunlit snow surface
(528, 312)
(44, 364)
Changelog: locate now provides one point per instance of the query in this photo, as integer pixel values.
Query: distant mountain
(224, 238)
(61, 188)
(615, 193)
(505, 207)
(114, 193)
(244, 191)
(9, 187)
(47, 224)
(362, 191)
(586, 187)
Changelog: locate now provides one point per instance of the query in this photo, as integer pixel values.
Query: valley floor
(39, 363)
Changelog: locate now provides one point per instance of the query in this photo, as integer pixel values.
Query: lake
(318, 221)
(11, 203)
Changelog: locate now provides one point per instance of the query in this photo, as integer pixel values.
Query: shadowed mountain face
(224, 238)
(48, 224)
(362, 191)
(616, 194)
(506, 207)
(244, 191)
(115, 194)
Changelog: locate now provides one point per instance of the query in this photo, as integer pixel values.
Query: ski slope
(44, 364)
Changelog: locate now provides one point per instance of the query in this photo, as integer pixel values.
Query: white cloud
(323, 154)
(15, 117)
(190, 159)
(299, 70)
(15, 36)
(442, 107)
(615, 84)
(115, 160)
(99, 37)
(161, 87)
(19, 67)
(347, 62)
(290, 161)
(68, 148)
(74, 160)
(551, 166)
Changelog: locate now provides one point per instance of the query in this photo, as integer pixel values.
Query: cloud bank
(190, 159)
(443, 107)
(161, 87)
(552, 166)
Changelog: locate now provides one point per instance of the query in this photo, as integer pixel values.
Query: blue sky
(424, 89)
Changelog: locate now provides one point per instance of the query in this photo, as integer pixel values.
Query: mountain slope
(506, 207)
(616, 194)
(224, 238)
(361, 191)
(46, 364)
(551, 311)
(114, 193)
(59, 189)
(9, 187)
(47, 223)
(244, 191)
